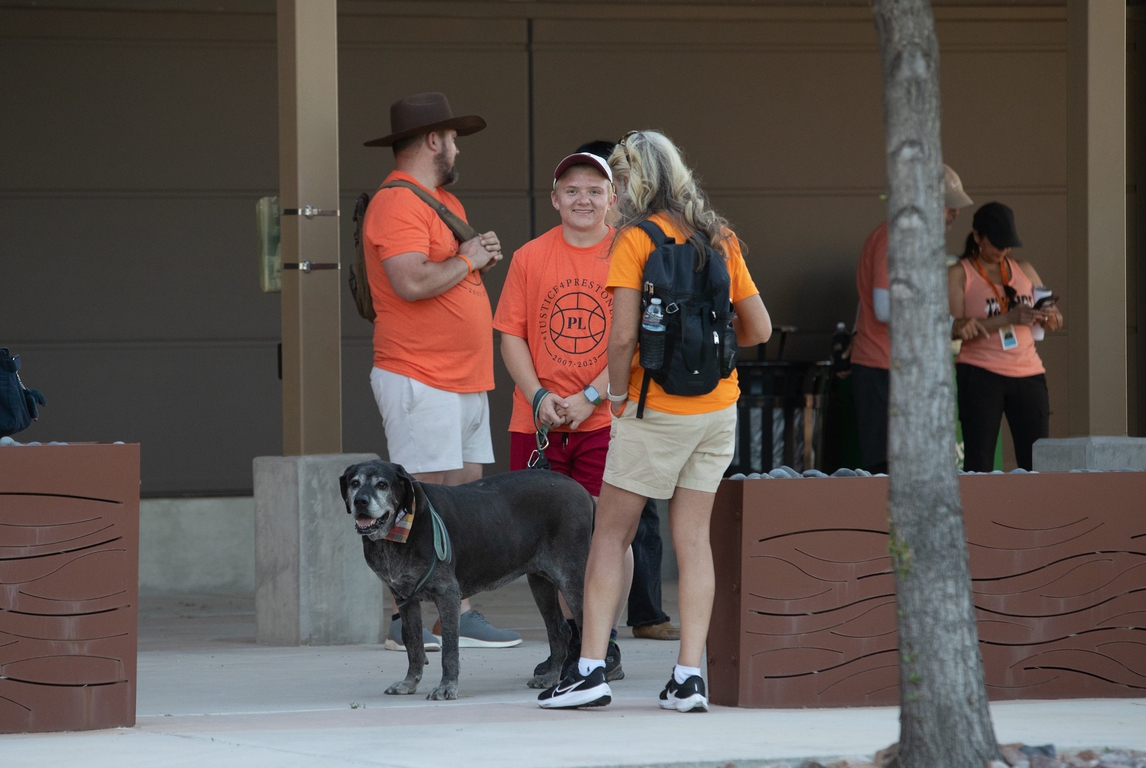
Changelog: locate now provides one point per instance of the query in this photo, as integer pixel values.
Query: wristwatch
(592, 395)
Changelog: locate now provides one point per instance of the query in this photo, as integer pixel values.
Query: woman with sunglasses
(681, 447)
(992, 298)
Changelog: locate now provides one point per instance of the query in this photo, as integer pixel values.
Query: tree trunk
(944, 718)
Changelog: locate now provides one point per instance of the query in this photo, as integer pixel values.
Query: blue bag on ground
(19, 406)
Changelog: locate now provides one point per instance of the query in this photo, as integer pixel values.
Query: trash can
(780, 415)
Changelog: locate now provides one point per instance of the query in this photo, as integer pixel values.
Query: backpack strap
(644, 394)
(459, 226)
(655, 233)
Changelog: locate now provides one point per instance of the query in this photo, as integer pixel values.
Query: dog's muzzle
(364, 523)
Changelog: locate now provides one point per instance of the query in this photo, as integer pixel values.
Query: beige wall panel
(130, 267)
(200, 411)
(139, 115)
(1004, 119)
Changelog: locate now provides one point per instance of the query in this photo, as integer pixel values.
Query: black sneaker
(613, 669)
(686, 697)
(576, 691)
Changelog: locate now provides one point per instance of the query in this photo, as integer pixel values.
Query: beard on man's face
(447, 172)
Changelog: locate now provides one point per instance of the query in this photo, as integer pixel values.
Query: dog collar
(401, 529)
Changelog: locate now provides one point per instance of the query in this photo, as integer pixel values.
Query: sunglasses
(621, 141)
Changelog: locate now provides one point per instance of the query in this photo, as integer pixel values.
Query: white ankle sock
(585, 666)
(680, 674)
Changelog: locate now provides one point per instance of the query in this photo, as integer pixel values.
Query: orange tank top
(981, 301)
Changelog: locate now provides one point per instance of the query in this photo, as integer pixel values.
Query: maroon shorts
(579, 455)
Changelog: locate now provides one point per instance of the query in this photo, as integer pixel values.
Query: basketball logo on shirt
(577, 323)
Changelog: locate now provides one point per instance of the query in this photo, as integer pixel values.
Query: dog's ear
(407, 494)
(342, 481)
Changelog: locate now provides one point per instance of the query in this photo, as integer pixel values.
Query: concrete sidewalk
(209, 696)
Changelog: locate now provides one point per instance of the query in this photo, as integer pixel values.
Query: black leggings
(983, 399)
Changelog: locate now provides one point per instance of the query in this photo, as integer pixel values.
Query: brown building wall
(136, 144)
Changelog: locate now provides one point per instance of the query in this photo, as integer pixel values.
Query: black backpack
(700, 344)
(19, 406)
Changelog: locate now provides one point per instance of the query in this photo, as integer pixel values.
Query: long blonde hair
(656, 180)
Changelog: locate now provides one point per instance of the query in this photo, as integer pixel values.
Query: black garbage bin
(780, 415)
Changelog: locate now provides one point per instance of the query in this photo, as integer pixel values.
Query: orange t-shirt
(980, 302)
(871, 345)
(445, 341)
(626, 271)
(555, 298)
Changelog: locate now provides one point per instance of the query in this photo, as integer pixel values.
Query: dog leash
(537, 459)
(443, 552)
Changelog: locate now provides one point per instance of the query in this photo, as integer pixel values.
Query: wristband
(469, 263)
(615, 398)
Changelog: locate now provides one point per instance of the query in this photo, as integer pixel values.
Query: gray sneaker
(475, 632)
(394, 638)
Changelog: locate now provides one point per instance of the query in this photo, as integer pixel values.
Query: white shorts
(428, 429)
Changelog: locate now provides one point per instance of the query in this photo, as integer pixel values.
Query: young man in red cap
(433, 334)
(554, 316)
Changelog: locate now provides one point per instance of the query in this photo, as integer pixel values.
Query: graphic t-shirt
(626, 271)
(555, 298)
(871, 345)
(445, 341)
(980, 302)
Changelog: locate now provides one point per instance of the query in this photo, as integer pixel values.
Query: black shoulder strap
(655, 233)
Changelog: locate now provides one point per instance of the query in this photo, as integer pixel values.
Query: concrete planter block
(312, 586)
(1065, 454)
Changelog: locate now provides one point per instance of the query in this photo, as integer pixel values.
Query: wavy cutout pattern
(1059, 586)
(69, 543)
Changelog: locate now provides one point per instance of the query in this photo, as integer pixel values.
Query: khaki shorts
(428, 429)
(656, 455)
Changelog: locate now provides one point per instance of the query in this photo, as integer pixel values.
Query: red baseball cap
(583, 158)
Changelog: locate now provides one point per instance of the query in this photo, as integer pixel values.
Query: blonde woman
(681, 447)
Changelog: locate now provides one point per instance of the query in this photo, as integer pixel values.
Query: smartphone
(1046, 302)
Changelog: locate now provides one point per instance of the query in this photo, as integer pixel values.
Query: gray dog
(531, 522)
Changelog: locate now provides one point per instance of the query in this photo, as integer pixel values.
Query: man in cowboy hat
(433, 334)
(871, 347)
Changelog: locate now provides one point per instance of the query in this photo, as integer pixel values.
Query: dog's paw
(402, 688)
(447, 692)
(547, 680)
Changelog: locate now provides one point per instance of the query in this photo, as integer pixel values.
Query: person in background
(871, 347)
(998, 371)
(645, 613)
(681, 447)
(554, 316)
(433, 334)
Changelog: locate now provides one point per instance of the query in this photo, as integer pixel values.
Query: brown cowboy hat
(424, 113)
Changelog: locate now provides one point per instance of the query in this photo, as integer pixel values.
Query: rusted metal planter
(69, 573)
(805, 600)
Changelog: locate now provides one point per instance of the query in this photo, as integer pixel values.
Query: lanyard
(1005, 272)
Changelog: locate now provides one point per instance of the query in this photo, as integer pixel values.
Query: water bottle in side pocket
(653, 337)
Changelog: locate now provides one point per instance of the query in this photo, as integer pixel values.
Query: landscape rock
(737, 476)
(844, 472)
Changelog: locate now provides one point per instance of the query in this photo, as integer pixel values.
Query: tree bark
(944, 718)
